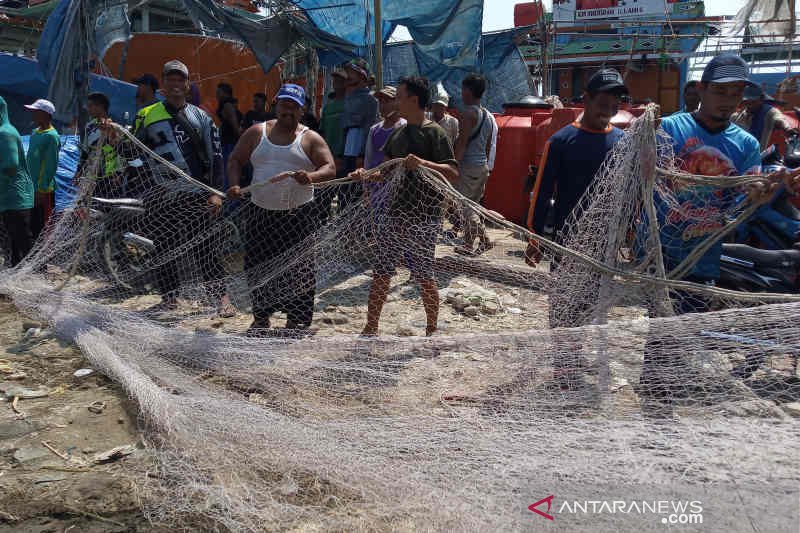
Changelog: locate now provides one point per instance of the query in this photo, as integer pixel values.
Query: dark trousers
(280, 262)
(183, 225)
(351, 193)
(43, 206)
(323, 198)
(20, 238)
(664, 366)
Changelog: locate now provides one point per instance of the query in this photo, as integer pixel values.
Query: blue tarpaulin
(68, 159)
(447, 41)
(446, 31)
(447, 44)
(22, 82)
(66, 46)
(498, 59)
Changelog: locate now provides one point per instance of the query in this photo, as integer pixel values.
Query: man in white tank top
(280, 218)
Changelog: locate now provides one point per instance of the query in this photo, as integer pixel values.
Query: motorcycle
(776, 225)
(124, 236)
(119, 224)
(744, 268)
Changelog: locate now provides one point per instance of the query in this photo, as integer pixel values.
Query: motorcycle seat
(121, 202)
(764, 258)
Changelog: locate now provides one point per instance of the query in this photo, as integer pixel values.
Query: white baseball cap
(43, 105)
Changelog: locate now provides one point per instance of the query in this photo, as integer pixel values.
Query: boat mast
(378, 46)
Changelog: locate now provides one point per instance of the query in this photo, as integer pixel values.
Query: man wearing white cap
(440, 115)
(43, 162)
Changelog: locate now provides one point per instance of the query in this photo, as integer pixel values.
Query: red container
(517, 149)
(528, 13)
(523, 131)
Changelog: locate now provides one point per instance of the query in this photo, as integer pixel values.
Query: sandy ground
(63, 489)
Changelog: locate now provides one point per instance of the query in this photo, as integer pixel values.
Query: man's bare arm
(241, 155)
(320, 154)
(468, 121)
(448, 170)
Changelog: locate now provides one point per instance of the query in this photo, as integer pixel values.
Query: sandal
(484, 247)
(226, 310)
(463, 250)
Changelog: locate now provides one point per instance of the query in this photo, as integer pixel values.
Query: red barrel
(528, 13)
(517, 149)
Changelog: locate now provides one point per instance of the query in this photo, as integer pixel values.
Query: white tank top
(269, 160)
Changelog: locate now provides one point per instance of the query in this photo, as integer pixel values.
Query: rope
(436, 179)
(170, 166)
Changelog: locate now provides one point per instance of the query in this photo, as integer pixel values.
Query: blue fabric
(68, 159)
(757, 125)
(447, 32)
(570, 161)
(52, 38)
(729, 153)
(22, 82)
(499, 60)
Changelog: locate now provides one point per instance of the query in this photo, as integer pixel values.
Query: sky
(499, 14)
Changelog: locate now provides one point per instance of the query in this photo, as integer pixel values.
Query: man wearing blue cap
(287, 158)
(704, 142)
(146, 90)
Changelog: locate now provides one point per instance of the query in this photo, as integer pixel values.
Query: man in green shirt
(107, 161)
(16, 189)
(412, 216)
(43, 151)
(330, 126)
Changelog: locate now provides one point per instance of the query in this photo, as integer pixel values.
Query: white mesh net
(583, 382)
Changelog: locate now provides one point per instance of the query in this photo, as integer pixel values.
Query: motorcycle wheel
(125, 263)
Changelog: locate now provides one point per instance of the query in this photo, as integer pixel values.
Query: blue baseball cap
(292, 92)
(726, 68)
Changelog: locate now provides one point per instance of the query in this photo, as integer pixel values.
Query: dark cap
(606, 80)
(726, 68)
(359, 65)
(175, 66)
(147, 79)
(753, 92)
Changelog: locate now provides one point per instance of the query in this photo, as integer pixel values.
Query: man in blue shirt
(573, 155)
(571, 158)
(704, 142)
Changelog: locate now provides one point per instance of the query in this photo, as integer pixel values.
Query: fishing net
(575, 374)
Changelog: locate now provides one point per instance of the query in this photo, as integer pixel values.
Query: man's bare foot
(484, 246)
(167, 303)
(258, 328)
(369, 331)
(225, 308)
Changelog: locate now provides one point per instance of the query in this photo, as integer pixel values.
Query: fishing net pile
(532, 386)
